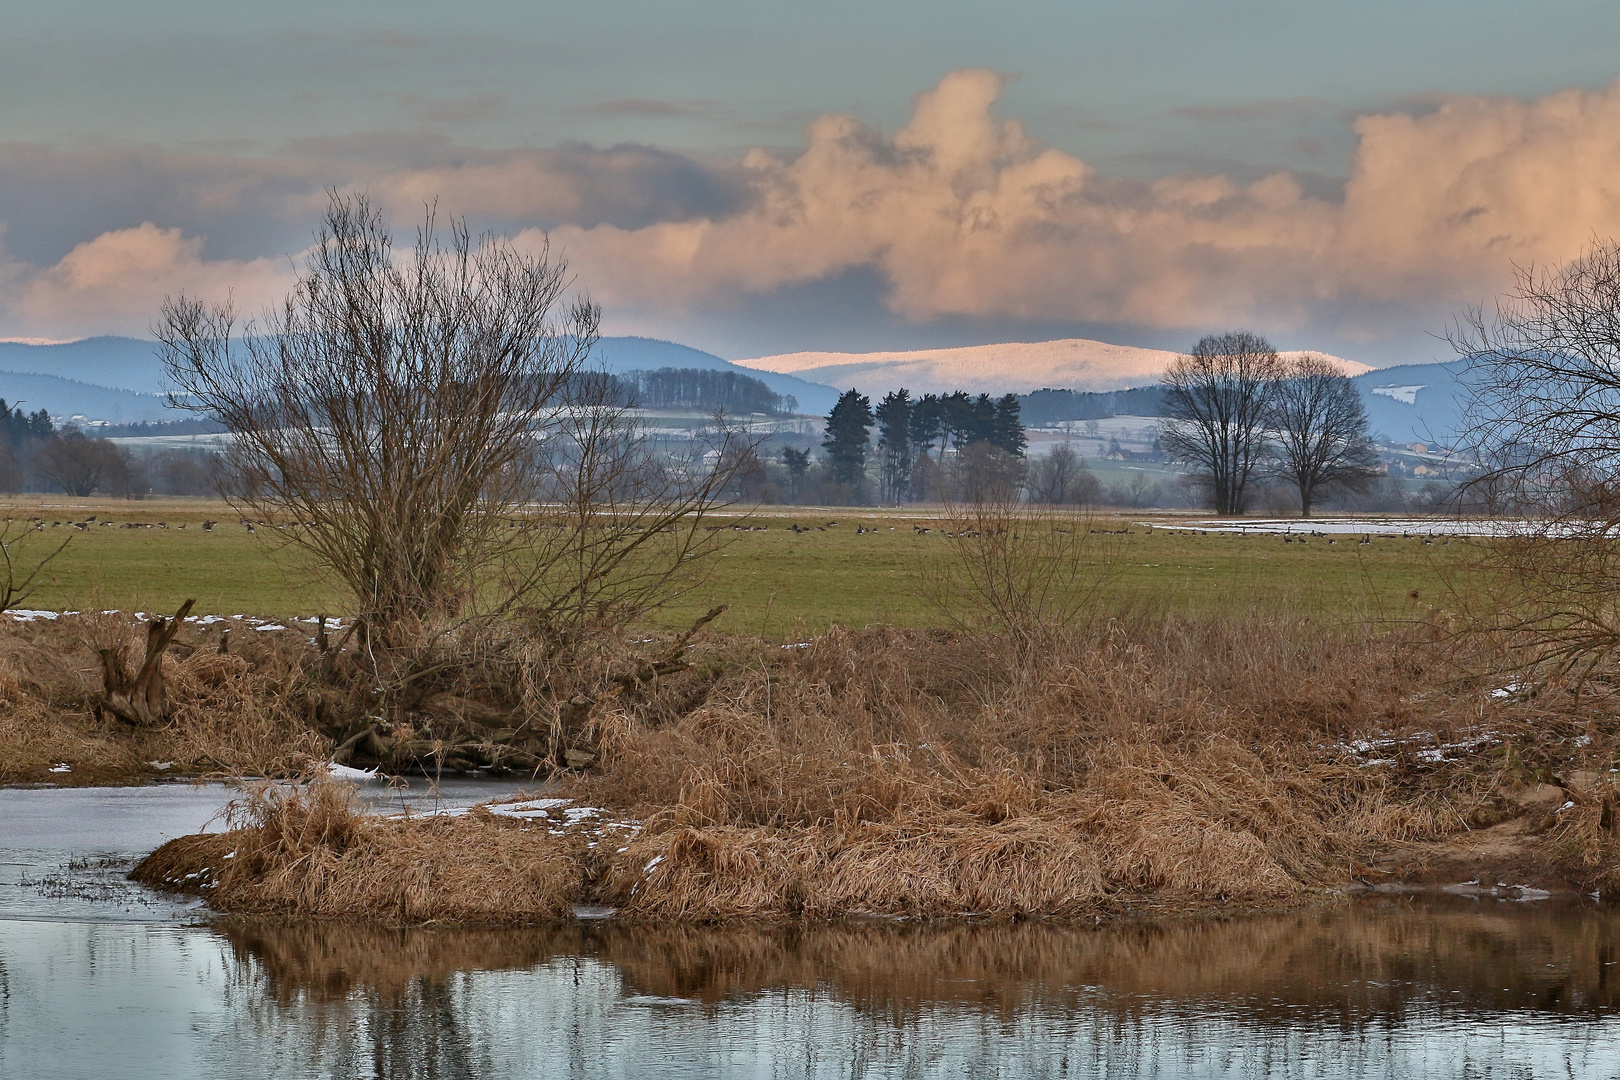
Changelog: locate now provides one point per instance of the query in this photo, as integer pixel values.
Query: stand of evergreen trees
(925, 446)
(700, 388)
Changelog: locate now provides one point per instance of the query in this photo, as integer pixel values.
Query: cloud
(455, 110)
(1297, 110)
(963, 214)
(959, 216)
(648, 108)
(117, 282)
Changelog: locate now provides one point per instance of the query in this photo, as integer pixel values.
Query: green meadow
(848, 566)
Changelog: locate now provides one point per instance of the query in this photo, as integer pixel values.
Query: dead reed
(1151, 761)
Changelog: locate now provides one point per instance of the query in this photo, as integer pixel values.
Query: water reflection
(1396, 989)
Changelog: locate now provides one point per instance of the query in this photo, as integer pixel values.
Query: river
(101, 978)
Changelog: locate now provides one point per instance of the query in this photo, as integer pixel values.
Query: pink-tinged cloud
(960, 213)
(118, 281)
(964, 214)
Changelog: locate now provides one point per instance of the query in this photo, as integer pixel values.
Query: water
(128, 985)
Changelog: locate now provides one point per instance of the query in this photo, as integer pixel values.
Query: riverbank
(1139, 762)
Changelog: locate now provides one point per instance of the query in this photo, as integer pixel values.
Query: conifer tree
(848, 430)
(1006, 430)
(894, 444)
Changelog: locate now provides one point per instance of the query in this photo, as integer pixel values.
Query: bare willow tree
(1217, 401)
(400, 416)
(1320, 428)
(1543, 422)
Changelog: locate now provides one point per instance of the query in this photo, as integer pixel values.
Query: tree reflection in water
(1366, 986)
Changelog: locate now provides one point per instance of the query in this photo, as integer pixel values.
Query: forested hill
(118, 378)
(706, 389)
(622, 355)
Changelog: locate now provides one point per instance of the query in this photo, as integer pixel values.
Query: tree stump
(139, 698)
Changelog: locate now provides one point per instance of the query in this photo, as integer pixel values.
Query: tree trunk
(139, 699)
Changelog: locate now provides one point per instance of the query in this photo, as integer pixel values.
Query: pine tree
(848, 430)
(926, 423)
(1006, 429)
(797, 463)
(894, 444)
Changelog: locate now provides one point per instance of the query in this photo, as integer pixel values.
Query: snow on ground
(1404, 527)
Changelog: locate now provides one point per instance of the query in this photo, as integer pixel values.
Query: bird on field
(208, 526)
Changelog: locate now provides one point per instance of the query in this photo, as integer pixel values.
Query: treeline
(1045, 408)
(707, 390)
(37, 456)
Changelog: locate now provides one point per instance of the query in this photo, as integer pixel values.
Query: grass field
(778, 582)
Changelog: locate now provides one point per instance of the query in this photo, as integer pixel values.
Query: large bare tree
(1320, 428)
(1544, 377)
(403, 415)
(1543, 423)
(1216, 411)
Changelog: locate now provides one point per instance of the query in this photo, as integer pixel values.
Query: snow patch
(1406, 395)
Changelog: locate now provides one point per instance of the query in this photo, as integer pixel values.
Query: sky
(761, 177)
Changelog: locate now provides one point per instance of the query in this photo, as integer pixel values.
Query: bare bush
(404, 416)
(1018, 576)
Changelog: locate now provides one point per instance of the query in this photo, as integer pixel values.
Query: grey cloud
(1298, 109)
(251, 204)
(454, 110)
(653, 108)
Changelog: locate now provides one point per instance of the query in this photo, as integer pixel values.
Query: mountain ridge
(1006, 367)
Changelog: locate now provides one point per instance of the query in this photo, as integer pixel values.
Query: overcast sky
(755, 177)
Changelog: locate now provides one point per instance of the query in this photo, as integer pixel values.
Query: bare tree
(403, 415)
(1062, 479)
(1543, 424)
(81, 466)
(1216, 406)
(1544, 378)
(1320, 428)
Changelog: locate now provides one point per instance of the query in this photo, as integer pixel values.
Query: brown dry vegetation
(1144, 762)
(231, 713)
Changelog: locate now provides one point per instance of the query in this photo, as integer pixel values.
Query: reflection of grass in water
(1353, 963)
(775, 580)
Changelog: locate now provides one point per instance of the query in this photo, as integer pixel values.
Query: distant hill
(1405, 404)
(118, 362)
(1011, 367)
(622, 355)
(66, 398)
(102, 366)
(1415, 402)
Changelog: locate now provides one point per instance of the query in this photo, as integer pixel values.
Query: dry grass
(912, 774)
(232, 713)
(1151, 762)
(308, 849)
